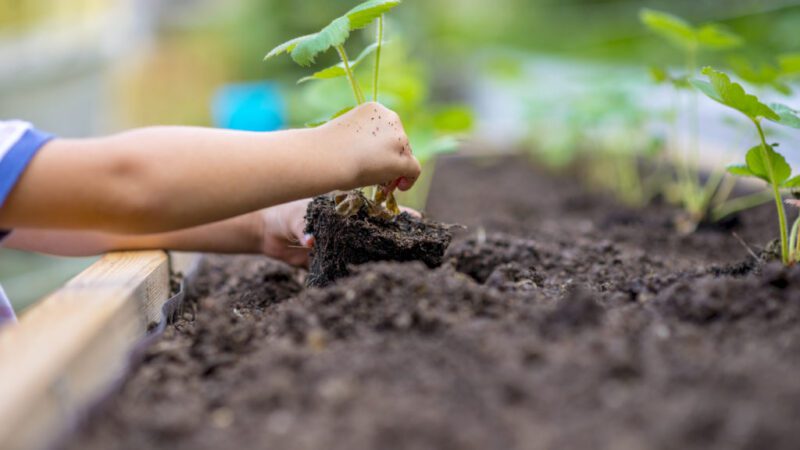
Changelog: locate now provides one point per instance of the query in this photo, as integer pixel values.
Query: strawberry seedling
(762, 160)
(695, 196)
(304, 51)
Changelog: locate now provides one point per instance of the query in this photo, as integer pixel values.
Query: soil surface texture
(341, 242)
(558, 320)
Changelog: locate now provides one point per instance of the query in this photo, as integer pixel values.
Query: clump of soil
(556, 322)
(344, 241)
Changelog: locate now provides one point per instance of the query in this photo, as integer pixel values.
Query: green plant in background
(774, 74)
(762, 161)
(620, 150)
(435, 131)
(602, 131)
(304, 51)
(695, 196)
(691, 39)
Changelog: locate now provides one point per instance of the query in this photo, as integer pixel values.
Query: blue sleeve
(19, 142)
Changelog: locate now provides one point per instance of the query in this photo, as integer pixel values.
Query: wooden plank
(74, 344)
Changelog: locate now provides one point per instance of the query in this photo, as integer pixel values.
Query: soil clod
(343, 241)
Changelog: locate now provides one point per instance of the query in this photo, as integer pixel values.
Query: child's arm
(160, 179)
(275, 232)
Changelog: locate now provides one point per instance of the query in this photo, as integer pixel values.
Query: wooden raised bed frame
(73, 345)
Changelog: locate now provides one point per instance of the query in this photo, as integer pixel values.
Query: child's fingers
(307, 240)
(405, 183)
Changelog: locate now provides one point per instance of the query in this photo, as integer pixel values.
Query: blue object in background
(256, 106)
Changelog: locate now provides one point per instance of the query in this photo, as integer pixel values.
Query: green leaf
(714, 37)
(503, 66)
(758, 165)
(363, 14)
(793, 182)
(341, 112)
(287, 47)
(781, 87)
(659, 74)
(670, 27)
(426, 146)
(453, 119)
(707, 88)
(681, 33)
(789, 64)
(760, 73)
(732, 94)
(338, 70)
(740, 170)
(788, 116)
(333, 35)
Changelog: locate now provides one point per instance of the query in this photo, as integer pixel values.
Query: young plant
(620, 150)
(695, 196)
(304, 50)
(762, 161)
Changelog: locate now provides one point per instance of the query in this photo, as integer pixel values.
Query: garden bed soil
(559, 320)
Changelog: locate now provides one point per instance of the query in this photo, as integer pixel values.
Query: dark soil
(342, 242)
(560, 320)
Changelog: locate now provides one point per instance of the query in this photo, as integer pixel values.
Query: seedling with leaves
(304, 51)
(762, 161)
(695, 196)
(692, 39)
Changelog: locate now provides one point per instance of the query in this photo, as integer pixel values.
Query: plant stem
(793, 238)
(724, 191)
(629, 181)
(740, 204)
(377, 60)
(694, 124)
(349, 71)
(711, 188)
(795, 243)
(684, 173)
(778, 199)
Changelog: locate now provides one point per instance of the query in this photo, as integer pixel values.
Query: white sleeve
(11, 131)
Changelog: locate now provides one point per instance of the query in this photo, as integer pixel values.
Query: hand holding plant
(279, 232)
(304, 51)
(372, 137)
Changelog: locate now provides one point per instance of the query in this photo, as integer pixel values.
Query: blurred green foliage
(445, 35)
(597, 29)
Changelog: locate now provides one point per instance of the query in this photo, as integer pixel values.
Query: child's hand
(373, 138)
(281, 232)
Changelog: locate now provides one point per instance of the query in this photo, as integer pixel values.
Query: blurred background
(554, 75)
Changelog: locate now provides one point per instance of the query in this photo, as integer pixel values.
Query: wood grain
(74, 344)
